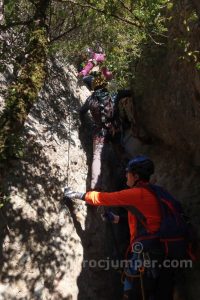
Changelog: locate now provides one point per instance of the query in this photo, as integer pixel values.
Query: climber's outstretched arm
(121, 198)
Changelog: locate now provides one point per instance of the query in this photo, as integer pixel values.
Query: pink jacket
(97, 58)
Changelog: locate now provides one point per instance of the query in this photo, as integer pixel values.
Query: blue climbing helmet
(141, 165)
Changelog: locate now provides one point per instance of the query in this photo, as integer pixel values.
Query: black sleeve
(85, 107)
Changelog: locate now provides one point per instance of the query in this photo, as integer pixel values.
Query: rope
(69, 144)
(132, 277)
(142, 285)
(69, 137)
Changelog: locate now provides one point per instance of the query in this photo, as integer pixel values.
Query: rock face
(169, 112)
(42, 252)
(169, 109)
(50, 248)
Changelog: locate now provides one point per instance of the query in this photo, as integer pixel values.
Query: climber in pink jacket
(95, 59)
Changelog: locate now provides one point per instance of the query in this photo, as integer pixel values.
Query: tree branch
(64, 33)
(131, 12)
(102, 11)
(126, 7)
(11, 25)
(1, 12)
(50, 16)
(153, 40)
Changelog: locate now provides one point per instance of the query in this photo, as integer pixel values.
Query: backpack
(106, 105)
(102, 109)
(176, 236)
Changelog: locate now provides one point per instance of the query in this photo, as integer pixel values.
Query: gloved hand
(109, 216)
(69, 194)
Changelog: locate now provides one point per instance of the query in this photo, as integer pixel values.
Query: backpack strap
(142, 222)
(165, 200)
(142, 235)
(137, 213)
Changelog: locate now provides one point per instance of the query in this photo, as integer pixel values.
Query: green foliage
(17, 10)
(4, 199)
(198, 66)
(183, 41)
(22, 95)
(121, 27)
(14, 148)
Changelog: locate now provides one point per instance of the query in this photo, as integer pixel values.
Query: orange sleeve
(125, 197)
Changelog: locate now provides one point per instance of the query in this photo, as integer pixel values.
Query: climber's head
(96, 54)
(139, 168)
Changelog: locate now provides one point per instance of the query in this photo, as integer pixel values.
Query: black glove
(108, 216)
(68, 193)
(111, 217)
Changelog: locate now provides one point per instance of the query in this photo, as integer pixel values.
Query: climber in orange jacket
(136, 196)
(143, 201)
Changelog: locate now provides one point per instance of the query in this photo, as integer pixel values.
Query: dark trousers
(155, 283)
(155, 289)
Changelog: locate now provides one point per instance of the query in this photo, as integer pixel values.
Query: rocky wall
(45, 240)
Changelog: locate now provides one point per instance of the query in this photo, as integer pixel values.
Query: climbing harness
(132, 277)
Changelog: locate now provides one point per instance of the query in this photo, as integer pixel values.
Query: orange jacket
(138, 197)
